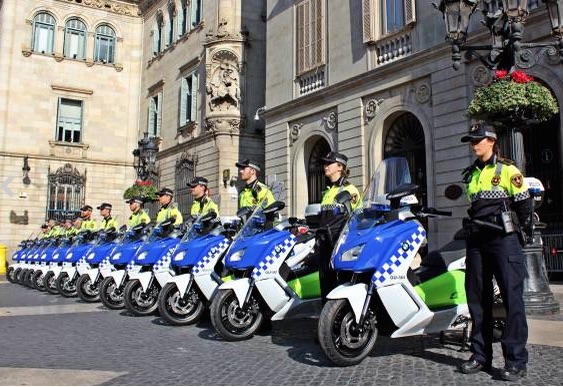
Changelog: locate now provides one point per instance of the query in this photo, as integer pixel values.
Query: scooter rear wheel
(139, 302)
(179, 310)
(66, 285)
(343, 341)
(231, 321)
(17, 275)
(110, 294)
(86, 290)
(50, 282)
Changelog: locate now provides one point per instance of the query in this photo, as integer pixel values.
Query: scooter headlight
(237, 256)
(116, 256)
(179, 256)
(143, 255)
(353, 253)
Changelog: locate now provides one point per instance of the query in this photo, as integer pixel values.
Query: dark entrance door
(316, 180)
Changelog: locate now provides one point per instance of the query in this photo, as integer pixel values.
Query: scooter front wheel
(86, 290)
(179, 310)
(232, 321)
(37, 280)
(139, 302)
(111, 294)
(66, 285)
(10, 274)
(343, 341)
(50, 282)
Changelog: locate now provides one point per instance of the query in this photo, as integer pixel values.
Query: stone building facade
(81, 81)
(374, 79)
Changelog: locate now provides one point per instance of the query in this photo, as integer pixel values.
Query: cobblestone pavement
(88, 344)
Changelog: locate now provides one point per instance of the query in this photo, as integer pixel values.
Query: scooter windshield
(254, 224)
(390, 174)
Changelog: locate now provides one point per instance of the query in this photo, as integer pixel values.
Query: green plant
(143, 189)
(515, 95)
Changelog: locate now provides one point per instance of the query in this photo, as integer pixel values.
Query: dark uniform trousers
(488, 254)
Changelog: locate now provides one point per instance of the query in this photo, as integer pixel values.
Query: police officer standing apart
(253, 192)
(138, 214)
(107, 222)
(168, 209)
(495, 186)
(332, 217)
(202, 202)
(87, 222)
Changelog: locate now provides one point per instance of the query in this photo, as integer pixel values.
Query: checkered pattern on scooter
(163, 264)
(406, 248)
(210, 256)
(277, 252)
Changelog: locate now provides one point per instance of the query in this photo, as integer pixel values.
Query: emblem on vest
(495, 180)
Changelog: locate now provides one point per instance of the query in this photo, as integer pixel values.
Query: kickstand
(463, 344)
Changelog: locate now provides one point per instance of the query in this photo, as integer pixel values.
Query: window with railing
(384, 17)
(69, 120)
(65, 193)
(43, 37)
(75, 39)
(104, 50)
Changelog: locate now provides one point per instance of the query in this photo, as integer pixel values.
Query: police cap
(335, 157)
(198, 181)
(248, 163)
(165, 191)
(103, 206)
(135, 199)
(479, 132)
(86, 208)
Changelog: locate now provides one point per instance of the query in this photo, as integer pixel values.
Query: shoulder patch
(505, 161)
(355, 198)
(517, 180)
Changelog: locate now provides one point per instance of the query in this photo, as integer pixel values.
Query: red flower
(143, 183)
(521, 77)
(499, 74)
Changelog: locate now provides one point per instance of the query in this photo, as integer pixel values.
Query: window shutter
(152, 110)
(410, 11)
(158, 114)
(180, 23)
(183, 101)
(167, 37)
(300, 37)
(193, 14)
(194, 90)
(155, 38)
(368, 16)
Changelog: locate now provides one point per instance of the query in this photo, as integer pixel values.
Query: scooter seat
(304, 238)
(444, 256)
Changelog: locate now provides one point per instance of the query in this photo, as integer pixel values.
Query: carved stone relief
(422, 93)
(371, 108)
(331, 121)
(223, 85)
(294, 132)
(223, 125)
(480, 76)
(109, 5)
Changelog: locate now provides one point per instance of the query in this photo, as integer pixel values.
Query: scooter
(196, 266)
(384, 296)
(55, 263)
(270, 280)
(89, 277)
(149, 269)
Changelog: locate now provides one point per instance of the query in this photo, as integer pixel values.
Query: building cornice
(124, 7)
(68, 159)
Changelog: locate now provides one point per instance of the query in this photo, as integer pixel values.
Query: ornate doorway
(316, 180)
(405, 138)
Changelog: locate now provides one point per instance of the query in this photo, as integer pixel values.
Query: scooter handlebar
(431, 211)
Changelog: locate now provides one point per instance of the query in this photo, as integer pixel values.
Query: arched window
(104, 50)
(75, 39)
(43, 33)
(183, 18)
(170, 24)
(157, 34)
(65, 192)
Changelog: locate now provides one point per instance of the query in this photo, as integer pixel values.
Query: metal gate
(185, 172)
(553, 252)
(65, 195)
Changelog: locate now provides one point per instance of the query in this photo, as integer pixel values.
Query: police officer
(253, 192)
(44, 231)
(494, 186)
(68, 229)
(138, 214)
(108, 222)
(202, 202)
(332, 217)
(87, 222)
(54, 229)
(168, 209)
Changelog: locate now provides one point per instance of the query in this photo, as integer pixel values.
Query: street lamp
(144, 160)
(504, 19)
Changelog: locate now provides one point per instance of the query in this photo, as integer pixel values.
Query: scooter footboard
(355, 294)
(239, 286)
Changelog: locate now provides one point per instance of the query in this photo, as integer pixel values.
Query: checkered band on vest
(521, 196)
(489, 195)
(330, 207)
(211, 256)
(393, 263)
(278, 251)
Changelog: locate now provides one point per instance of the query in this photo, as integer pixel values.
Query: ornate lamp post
(145, 158)
(504, 19)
